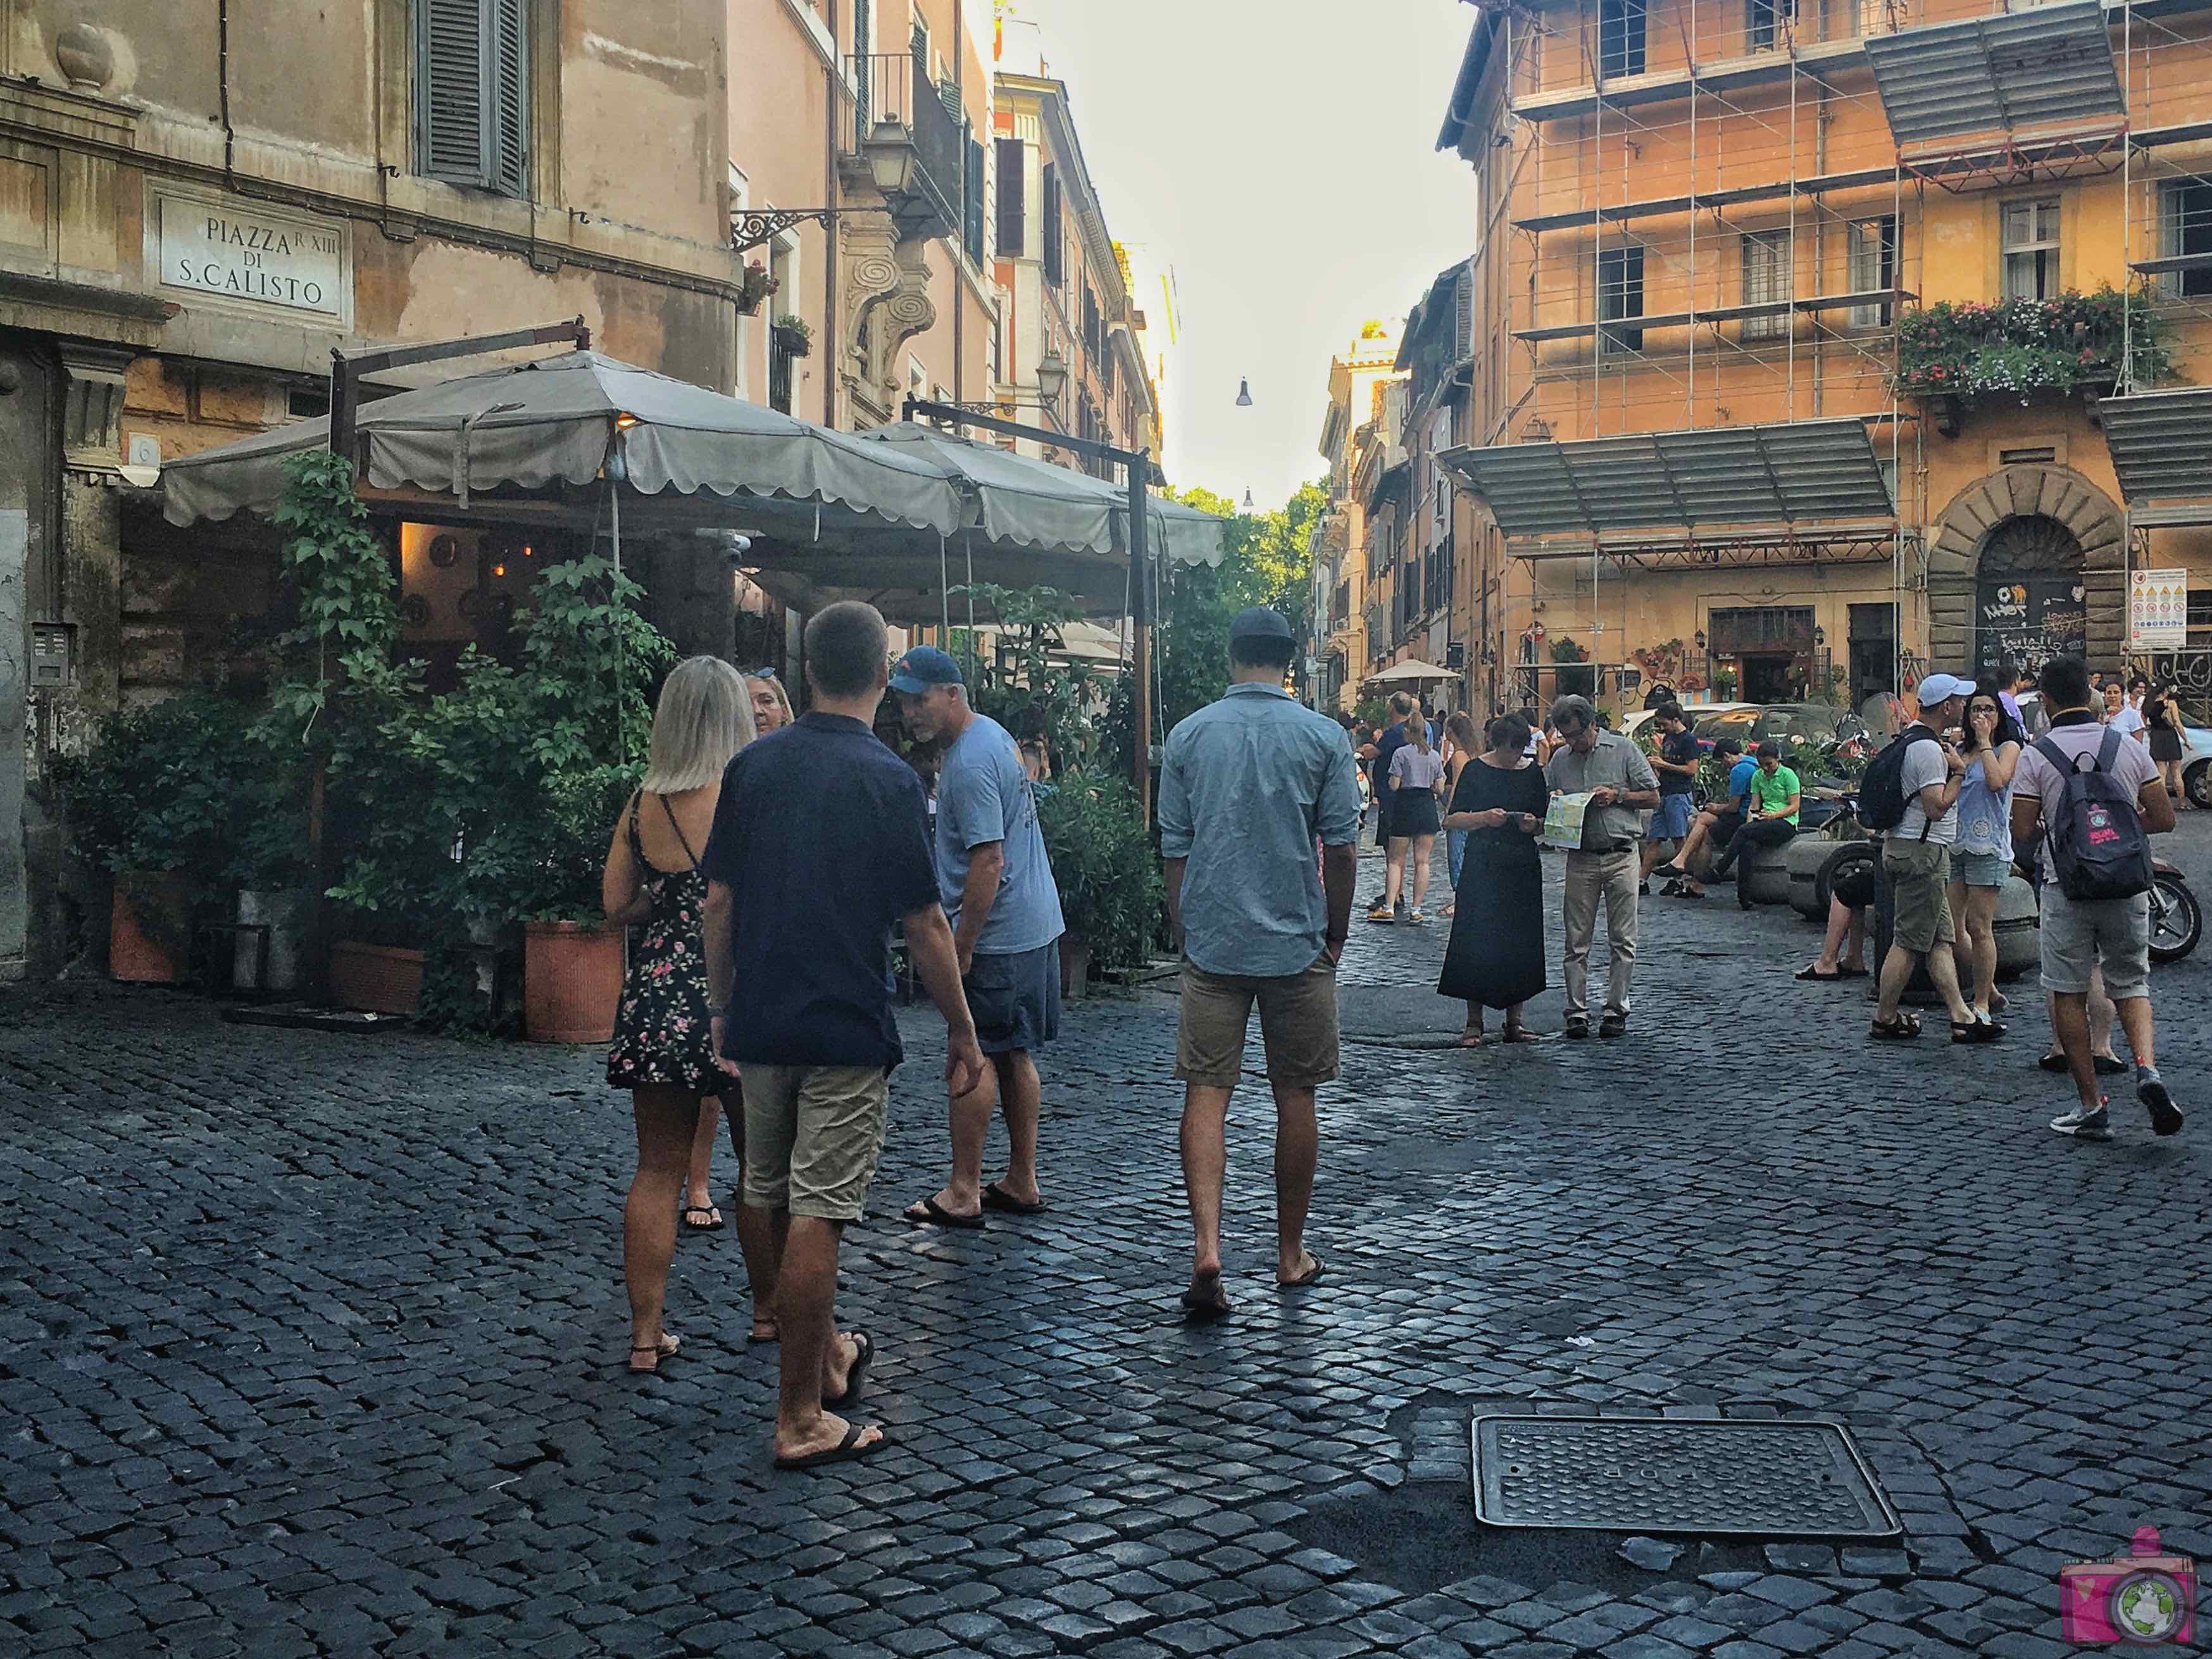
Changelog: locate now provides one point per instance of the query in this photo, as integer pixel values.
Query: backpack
(2098, 846)
(1882, 790)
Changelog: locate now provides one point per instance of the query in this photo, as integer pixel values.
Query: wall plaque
(253, 253)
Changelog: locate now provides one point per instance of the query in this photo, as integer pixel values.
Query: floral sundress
(662, 1029)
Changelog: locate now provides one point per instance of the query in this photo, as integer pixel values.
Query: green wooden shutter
(509, 138)
(449, 90)
(972, 219)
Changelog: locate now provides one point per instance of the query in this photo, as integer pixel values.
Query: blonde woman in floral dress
(663, 1053)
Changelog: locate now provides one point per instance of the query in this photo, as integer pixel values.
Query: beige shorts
(1920, 873)
(812, 1136)
(1297, 1026)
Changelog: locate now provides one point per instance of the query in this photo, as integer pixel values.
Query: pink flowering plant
(1972, 349)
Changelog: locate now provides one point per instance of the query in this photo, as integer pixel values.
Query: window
(1766, 282)
(783, 266)
(472, 92)
(1620, 294)
(1619, 40)
(1050, 228)
(2184, 229)
(1763, 20)
(2031, 249)
(1012, 158)
(1872, 255)
(971, 206)
(1090, 321)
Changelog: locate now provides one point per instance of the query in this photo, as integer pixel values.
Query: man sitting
(1772, 818)
(1717, 824)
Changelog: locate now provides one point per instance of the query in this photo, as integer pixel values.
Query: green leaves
(1110, 890)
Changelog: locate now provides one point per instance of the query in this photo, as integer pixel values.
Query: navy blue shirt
(822, 836)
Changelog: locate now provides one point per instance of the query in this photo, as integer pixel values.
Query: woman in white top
(1417, 778)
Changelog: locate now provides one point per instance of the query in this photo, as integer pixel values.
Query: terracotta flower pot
(375, 979)
(572, 978)
(150, 928)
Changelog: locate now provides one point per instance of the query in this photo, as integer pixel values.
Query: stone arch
(1962, 533)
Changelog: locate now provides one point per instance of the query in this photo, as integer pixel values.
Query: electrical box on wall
(54, 654)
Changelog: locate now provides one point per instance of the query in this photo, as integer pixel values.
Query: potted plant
(1724, 684)
(794, 336)
(755, 286)
(1110, 892)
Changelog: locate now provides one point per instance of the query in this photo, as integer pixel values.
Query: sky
(1280, 155)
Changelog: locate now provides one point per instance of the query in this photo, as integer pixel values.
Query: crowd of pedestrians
(768, 863)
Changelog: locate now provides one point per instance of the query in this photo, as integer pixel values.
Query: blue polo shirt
(821, 835)
(1248, 785)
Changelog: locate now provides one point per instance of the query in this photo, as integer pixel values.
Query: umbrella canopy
(562, 420)
(1410, 674)
(1018, 499)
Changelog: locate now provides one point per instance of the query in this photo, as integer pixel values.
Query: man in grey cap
(1248, 785)
(1915, 860)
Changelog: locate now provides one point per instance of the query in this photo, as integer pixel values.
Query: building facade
(1358, 380)
(1070, 357)
(196, 205)
(1793, 325)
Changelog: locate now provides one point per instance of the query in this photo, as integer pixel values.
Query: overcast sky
(1281, 154)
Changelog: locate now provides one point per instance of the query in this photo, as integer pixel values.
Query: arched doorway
(2029, 601)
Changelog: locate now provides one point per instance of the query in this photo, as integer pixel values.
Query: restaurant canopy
(893, 517)
(1410, 674)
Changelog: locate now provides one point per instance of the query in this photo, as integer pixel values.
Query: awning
(559, 420)
(1785, 473)
(2043, 67)
(1410, 674)
(2161, 443)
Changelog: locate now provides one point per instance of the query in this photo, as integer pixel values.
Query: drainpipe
(222, 88)
(832, 334)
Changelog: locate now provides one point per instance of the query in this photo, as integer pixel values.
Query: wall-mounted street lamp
(1052, 379)
(1243, 393)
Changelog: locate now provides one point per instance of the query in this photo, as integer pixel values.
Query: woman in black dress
(2165, 729)
(1495, 956)
(663, 1051)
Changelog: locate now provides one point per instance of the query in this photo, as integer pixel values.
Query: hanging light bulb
(1243, 392)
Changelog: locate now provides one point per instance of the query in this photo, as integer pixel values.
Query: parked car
(1695, 712)
(1784, 722)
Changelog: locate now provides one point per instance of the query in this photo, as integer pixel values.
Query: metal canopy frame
(1782, 472)
(1874, 542)
(2161, 444)
(2045, 67)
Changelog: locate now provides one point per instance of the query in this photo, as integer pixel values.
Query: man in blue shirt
(1718, 823)
(997, 887)
(1248, 785)
(820, 844)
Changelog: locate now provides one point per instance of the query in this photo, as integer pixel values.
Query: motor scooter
(2176, 920)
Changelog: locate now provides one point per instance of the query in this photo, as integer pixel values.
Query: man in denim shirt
(1247, 785)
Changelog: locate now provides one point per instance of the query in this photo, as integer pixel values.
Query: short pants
(1919, 873)
(1015, 999)
(1980, 869)
(812, 1136)
(1297, 1024)
(2079, 934)
(1672, 821)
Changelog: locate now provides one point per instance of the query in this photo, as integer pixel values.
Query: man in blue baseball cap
(996, 885)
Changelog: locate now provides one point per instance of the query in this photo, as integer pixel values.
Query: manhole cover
(1660, 1474)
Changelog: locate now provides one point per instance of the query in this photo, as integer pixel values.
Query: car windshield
(1786, 723)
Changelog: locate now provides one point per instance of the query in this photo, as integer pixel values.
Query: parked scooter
(2176, 920)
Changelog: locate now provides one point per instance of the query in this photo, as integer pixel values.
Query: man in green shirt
(1773, 819)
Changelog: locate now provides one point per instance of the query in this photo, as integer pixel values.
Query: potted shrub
(755, 286)
(1110, 892)
(794, 336)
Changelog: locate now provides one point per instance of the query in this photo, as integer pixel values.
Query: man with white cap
(1916, 858)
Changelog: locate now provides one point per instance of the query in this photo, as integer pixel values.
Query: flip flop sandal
(711, 1226)
(1852, 973)
(754, 1335)
(1310, 1276)
(1200, 1308)
(667, 1348)
(847, 1450)
(996, 1197)
(855, 1376)
(2054, 1063)
(1519, 1034)
(1808, 973)
(1469, 1039)
(935, 1214)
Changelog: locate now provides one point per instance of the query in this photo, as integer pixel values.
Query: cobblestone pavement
(313, 1343)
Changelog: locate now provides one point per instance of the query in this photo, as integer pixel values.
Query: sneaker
(1416, 918)
(1578, 1028)
(2085, 1125)
(1612, 1025)
(2151, 1089)
(1644, 889)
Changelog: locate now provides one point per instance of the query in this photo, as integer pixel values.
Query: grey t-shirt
(1414, 768)
(1615, 762)
(983, 795)
(1924, 764)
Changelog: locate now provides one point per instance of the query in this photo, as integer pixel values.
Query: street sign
(2158, 610)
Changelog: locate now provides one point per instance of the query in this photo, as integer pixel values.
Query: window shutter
(449, 89)
(1012, 207)
(509, 137)
(972, 220)
(1051, 227)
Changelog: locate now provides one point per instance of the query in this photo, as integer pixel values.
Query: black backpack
(2099, 850)
(1882, 790)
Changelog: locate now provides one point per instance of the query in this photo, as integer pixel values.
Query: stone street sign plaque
(254, 254)
(1771, 1479)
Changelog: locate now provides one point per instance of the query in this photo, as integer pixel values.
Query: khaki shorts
(2082, 935)
(1297, 1025)
(1919, 872)
(812, 1136)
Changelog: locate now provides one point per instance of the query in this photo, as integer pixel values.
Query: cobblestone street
(313, 1343)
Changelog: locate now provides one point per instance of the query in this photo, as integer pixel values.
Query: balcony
(901, 129)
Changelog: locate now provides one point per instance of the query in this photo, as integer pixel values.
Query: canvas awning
(1784, 472)
(2161, 443)
(2042, 67)
(1414, 672)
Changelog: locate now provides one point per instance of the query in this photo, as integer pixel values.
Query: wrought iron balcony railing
(907, 128)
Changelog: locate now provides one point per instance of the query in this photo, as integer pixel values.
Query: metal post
(1140, 568)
